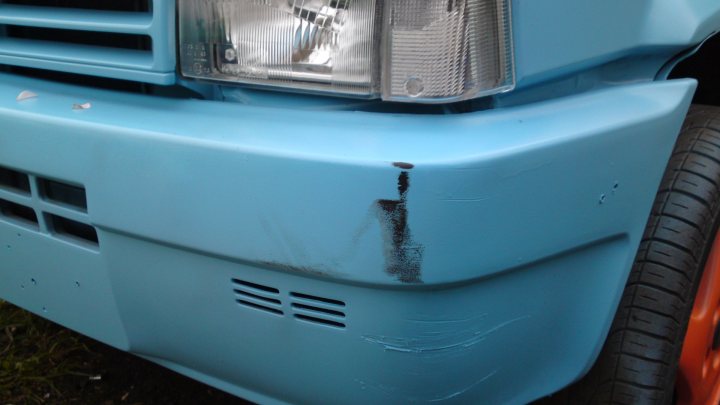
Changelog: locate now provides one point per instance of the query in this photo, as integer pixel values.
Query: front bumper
(464, 257)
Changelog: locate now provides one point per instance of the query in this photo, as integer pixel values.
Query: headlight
(401, 50)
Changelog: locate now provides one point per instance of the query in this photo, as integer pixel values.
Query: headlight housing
(400, 50)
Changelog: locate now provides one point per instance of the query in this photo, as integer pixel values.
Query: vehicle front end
(292, 237)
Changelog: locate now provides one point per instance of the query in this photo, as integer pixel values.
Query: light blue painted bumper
(489, 271)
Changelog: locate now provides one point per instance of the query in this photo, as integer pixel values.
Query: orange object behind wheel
(698, 379)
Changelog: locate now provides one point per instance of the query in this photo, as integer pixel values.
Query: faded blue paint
(188, 194)
(479, 256)
(155, 66)
(561, 37)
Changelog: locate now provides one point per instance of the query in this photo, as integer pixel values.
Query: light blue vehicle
(369, 201)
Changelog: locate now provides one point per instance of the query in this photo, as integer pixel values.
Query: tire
(638, 363)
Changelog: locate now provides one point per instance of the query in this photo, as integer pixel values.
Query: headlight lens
(402, 50)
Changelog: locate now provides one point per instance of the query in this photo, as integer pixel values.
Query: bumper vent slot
(257, 296)
(19, 214)
(321, 300)
(14, 180)
(51, 207)
(253, 305)
(257, 287)
(321, 321)
(328, 312)
(67, 228)
(63, 193)
(129, 40)
(319, 310)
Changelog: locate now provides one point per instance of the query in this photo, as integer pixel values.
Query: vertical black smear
(403, 257)
(403, 185)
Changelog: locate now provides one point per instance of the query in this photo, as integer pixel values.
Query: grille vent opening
(320, 321)
(19, 214)
(72, 230)
(253, 305)
(319, 310)
(257, 296)
(53, 192)
(112, 39)
(124, 5)
(319, 299)
(94, 38)
(63, 193)
(14, 180)
(122, 40)
(308, 308)
(255, 286)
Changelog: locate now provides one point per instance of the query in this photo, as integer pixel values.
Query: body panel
(562, 37)
(509, 215)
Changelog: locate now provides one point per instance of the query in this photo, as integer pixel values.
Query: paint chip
(25, 95)
(84, 106)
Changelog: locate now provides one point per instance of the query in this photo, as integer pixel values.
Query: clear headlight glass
(402, 50)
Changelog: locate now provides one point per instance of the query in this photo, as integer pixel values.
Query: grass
(37, 357)
(44, 363)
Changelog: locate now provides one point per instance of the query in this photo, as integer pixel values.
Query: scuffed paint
(458, 393)
(412, 397)
(466, 200)
(314, 271)
(403, 257)
(450, 341)
(26, 95)
(440, 322)
(81, 106)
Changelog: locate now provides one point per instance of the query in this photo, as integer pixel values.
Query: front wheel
(698, 375)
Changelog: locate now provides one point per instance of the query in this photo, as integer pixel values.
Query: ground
(44, 363)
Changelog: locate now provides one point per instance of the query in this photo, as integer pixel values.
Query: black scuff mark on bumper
(403, 256)
(288, 268)
(403, 165)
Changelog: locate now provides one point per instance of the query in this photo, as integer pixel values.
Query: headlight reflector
(403, 50)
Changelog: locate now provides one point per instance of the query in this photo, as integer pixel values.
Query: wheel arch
(702, 64)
